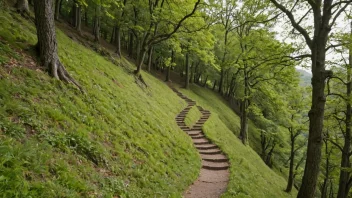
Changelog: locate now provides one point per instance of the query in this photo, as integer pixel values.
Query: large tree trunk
(187, 71)
(57, 9)
(316, 114)
(22, 6)
(47, 43)
(291, 175)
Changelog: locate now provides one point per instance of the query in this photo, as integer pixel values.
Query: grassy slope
(192, 116)
(117, 139)
(250, 177)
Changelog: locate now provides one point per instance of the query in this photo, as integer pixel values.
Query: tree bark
(150, 56)
(187, 71)
(291, 175)
(78, 17)
(169, 67)
(57, 9)
(244, 121)
(47, 44)
(205, 81)
(96, 29)
(221, 81)
(113, 35)
(22, 6)
(130, 44)
(118, 40)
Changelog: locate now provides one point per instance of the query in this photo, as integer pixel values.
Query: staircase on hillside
(214, 174)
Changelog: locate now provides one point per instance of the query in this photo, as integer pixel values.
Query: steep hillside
(117, 139)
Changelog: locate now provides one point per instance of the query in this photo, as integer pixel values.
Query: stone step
(201, 141)
(211, 152)
(198, 137)
(215, 158)
(206, 147)
(215, 165)
(195, 133)
(184, 127)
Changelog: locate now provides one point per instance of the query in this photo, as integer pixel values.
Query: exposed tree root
(59, 72)
(139, 78)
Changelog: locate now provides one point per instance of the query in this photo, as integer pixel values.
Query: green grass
(193, 116)
(118, 139)
(249, 177)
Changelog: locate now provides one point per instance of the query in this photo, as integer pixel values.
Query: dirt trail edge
(214, 174)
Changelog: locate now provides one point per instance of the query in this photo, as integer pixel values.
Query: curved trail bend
(214, 174)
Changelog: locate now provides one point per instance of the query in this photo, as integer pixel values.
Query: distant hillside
(305, 77)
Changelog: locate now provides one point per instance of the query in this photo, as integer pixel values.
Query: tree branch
(299, 28)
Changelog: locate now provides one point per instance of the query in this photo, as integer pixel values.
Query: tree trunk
(324, 188)
(130, 45)
(244, 121)
(141, 62)
(118, 40)
(96, 29)
(345, 154)
(221, 81)
(47, 44)
(187, 71)
(214, 85)
(112, 40)
(86, 17)
(205, 81)
(78, 18)
(150, 56)
(57, 9)
(316, 114)
(22, 6)
(169, 67)
(291, 174)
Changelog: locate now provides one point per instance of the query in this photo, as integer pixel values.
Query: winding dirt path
(214, 174)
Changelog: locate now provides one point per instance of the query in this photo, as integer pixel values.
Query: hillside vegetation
(117, 139)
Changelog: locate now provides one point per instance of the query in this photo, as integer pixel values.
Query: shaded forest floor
(119, 139)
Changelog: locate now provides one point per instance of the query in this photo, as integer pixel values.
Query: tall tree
(325, 14)
(47, 44)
